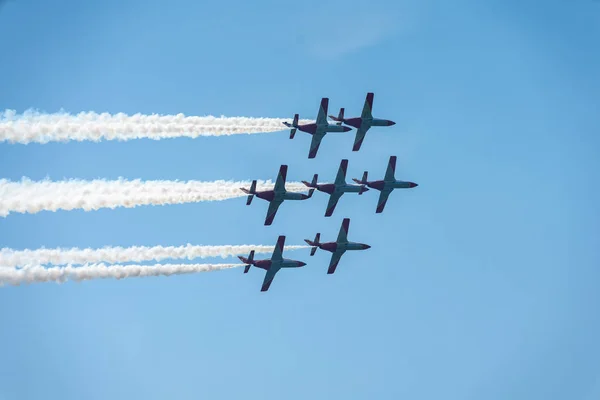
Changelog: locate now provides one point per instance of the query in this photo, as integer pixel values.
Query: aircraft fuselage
(314, 128)
(270, 195)
(381, 185)
(285, 263)
(332, 247)
(367, 122)
(331, 188)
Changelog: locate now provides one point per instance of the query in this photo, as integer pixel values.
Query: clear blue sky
(482, 283)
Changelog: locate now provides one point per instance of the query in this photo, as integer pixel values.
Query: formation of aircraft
(321, 127)
(387, 185)
(276, 262)
(272, 265)
(337, 188)
(276, 196)
(338, 248)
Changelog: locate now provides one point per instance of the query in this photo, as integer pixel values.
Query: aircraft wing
(333, 200)
(268, 279)
(280, 182)
(383, 198)
(335, 259)
(340, 178)
(368, 107)
(360, 136)
(273, 207)
(314, 144)
(390, 173)
(343, 235)
(322, 115)
(278, 251)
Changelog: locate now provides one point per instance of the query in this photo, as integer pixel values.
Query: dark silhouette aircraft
(362, 123)
(338, 248)
(273, 265)
(387, 185)
(276, 196)
(319, 129)
(336, 189)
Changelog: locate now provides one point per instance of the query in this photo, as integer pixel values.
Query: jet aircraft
(318, 130)
(273, 265)
(336, 189)
(276, 196)
(387, 185)
(362, 123)
(338, 248)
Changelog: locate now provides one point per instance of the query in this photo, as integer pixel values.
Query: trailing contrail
(35, 127)
(10, 258)
(29, 196)
(39, 274)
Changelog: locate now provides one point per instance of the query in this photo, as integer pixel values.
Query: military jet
(273, 265)
(276, 196)
(336, 189)
(338, 248)
(319, 129)
(362, 123)
(387, 185)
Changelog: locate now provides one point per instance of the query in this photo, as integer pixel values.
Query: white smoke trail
(35, 127)
(114, 255)
(29, 196)
(39, 274)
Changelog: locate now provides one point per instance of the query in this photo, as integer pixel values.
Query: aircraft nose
(390, 123)
(367, 246)
(412, 184)
(302, 264)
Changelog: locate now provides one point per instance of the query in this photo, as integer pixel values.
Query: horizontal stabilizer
(248, 261)
(314, 244)
(339, 118)
(250, 192)
(294, 126)
(313, 183)
(364, 180)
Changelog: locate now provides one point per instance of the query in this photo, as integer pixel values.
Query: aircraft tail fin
(339, 118)
(250, 192)
(363, 181)
(313, 183)
(315, 244)
(248, 261)
(293, 125)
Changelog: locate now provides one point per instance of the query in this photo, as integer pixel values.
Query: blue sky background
(481, 283)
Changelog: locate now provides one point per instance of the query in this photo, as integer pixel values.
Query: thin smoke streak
(39, 274)
(10, 258)
(36, 127)
(29, 196)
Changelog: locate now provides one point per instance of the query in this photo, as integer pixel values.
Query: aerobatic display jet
(276, 196)
(387, 185)
(272, 265)
(362, 123)
(338, 248)
(336, 189)
(318, 130)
